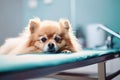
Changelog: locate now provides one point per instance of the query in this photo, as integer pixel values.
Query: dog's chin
(51, 51)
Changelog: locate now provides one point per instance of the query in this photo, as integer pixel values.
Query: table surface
(11, 63)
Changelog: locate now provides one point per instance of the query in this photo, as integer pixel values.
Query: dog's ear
(34, 24)
(65, 24)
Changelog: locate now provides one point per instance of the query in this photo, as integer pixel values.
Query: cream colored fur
(20, 44)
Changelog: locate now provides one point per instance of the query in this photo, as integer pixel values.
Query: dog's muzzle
(50, 47)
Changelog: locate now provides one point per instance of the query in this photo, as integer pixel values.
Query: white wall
(10, 18)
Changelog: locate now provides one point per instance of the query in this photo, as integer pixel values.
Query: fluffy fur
(43, 36)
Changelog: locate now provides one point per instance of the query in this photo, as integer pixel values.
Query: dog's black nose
(51, 45)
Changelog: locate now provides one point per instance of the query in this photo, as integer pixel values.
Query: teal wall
(106, 12)
(54, 11)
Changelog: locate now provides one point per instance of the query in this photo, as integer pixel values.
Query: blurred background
(84, 15)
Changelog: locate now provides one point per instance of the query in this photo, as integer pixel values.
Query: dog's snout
(51, 45)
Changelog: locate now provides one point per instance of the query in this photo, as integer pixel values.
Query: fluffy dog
(43, 36)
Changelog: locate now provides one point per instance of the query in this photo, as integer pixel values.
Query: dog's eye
(43, 39)
(57, 39)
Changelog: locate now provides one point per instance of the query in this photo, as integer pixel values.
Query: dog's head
(49, 36)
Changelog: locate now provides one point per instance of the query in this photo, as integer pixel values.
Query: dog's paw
(66, 51)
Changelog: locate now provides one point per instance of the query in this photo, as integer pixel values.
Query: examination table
(20, 67)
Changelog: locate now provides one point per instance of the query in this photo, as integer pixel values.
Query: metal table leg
(101, 71)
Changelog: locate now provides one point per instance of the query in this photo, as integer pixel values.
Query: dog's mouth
(51, 50)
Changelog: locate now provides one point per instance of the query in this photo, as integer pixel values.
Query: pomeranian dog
(43, 36)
